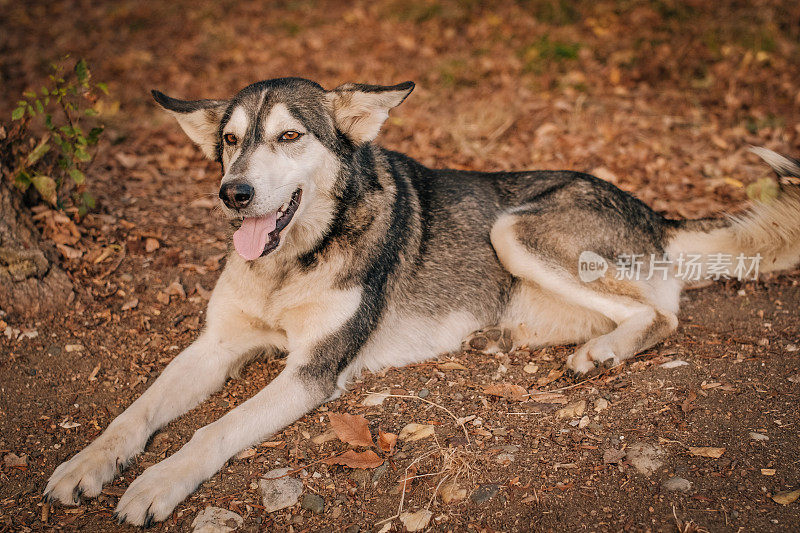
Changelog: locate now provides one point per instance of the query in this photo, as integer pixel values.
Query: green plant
(543, 51)
(56, 136)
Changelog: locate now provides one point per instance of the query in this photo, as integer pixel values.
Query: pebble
(758, 436)
(355, 528)
(645, 458)
(531, 368)
(677, 484)
(423, 393)
(216, 520)
(484, 493)
(600, 404)
(313, 503)
(504, 459)
(279, 493)
(674, 364)
(572, 410)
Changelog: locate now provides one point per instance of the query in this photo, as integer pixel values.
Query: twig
(298, 469)
(408, 396)
(116, 264)
(405, 478)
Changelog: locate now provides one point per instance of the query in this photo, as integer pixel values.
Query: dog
(347, 256)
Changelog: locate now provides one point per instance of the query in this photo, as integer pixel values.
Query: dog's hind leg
(641, 319)
(199, 370)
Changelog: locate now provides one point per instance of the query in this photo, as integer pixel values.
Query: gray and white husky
(347, 256)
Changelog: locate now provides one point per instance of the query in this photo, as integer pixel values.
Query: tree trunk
(31, 282)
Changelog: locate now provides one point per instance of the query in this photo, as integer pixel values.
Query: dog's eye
(230, 139)
(290, 135)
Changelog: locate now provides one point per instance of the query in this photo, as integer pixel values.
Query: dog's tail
(768, 231)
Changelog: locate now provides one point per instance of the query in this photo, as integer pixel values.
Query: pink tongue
(251, 238)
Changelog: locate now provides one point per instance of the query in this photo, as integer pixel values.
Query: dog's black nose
(237, 195)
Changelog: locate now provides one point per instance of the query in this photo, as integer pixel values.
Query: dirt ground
(660, 98)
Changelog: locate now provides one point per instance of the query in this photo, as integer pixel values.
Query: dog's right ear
(199, 119)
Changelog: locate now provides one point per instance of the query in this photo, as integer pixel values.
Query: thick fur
(387, 262)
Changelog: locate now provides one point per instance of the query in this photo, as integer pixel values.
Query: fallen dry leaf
(548, 397)
(387, 441)
(508, 391)
(551, 377)
(416, 521)
(412, 432)
(451, 365)
(688, 404)
(706, 451)
(324, 437)
(352, 429)
(450, 492)
(246, 453)
(786, 497)
(14, 460)
(354, 459)
(376, 398)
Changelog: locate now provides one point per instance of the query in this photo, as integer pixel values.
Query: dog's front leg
(194, 374)
(155, 493)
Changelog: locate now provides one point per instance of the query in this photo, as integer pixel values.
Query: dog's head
(281, 144)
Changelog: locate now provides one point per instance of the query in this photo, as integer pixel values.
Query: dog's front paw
(84, 474)
(153, 495)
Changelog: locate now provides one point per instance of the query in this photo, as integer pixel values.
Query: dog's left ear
(199, 119)
(360, 110)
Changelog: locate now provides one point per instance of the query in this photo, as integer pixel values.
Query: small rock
(69, 348)
(504, 459)
(758, 436)
(216, 520)
(279, 493)
(674, 364)
(355, 528)
(423, 393)
(378, 473)
(600, 404)
(530, 368)
(313, 502)
(583, 422)
(572, 410)
(646, 458)
(484, 493)
(677, 484)
(791, 348)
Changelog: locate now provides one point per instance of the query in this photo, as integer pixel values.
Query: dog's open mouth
(259, 236)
